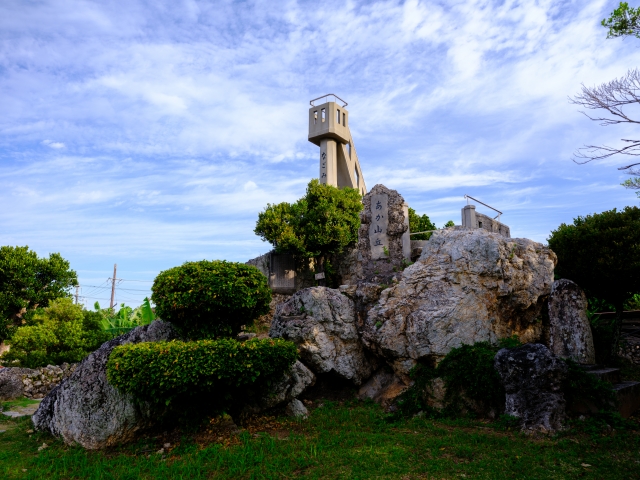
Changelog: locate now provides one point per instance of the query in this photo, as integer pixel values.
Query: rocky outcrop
(85, 409)
(295, 408)
(532, 378)
(468, 285)
(11, 386)
(569, 329)
(286, 390)
(383, 388)
(321, 322)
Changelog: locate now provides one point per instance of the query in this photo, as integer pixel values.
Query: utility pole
(77, 288)
(113, 285)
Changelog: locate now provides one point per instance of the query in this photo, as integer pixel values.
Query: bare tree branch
(611, 97)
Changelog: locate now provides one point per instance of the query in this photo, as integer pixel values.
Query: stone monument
(329, 129)
(384, 245)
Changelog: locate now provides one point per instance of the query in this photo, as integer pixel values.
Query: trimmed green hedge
(211, 299)
(161, 372)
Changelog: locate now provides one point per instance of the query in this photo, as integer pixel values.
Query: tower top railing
(328, 95)
(494, 209)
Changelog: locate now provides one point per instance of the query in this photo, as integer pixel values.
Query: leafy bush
(126, 319)
(28, 282)
(323, 222)
(62, 332)
(211, 299)
(219, 370)
(420, 223)
(472, 384)
(601, 253)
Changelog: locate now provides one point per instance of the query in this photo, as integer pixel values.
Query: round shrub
(211, 299)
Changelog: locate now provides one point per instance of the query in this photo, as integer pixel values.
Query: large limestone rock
(569, 329)
(532, 378)
(87, 410)
(321, 322)
(468, 285)
(292, 384)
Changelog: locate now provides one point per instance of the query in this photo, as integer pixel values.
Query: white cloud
(169, 125)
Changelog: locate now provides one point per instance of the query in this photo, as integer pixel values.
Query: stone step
(628, 397)
(610, 375)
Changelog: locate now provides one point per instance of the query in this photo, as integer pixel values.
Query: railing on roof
(328, 95)
(489, 206)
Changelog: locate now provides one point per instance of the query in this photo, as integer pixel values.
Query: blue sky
(151, 133)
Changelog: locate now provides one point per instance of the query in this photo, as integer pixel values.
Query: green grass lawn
(352, 440)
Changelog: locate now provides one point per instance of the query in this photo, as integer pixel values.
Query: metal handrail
(426, 231)
(489, 206)
(328, 95)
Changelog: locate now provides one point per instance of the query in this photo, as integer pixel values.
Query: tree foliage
(601, 253)
(624, 21)
(420, 223)
(28, 282)
(62, 332)
(325, 221)
(210, 299)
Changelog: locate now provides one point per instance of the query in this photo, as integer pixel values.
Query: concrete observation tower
(329, 129)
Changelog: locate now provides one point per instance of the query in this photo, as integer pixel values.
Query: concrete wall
(473, 219)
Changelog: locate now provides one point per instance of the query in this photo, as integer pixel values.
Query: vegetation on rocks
(471, 383)
(211, 299)
(28, 282)
(60, 333)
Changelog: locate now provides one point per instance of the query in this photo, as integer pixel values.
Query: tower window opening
(355, 174)
(338, 115)
(315, 117)
(344, 119)
(322, 114)
(349, 149)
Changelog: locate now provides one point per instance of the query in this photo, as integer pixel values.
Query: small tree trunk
(323, 281)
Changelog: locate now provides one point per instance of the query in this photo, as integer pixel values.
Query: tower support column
(328, 161)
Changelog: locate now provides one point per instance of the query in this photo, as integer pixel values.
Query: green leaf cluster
(420, 223)
(28, 282)
(624, 21)
(126, 318)
(211, 299)
(221, 370)
(601, 253)
(325, 221)
(472, 383)
(62, 332)
(633, 184)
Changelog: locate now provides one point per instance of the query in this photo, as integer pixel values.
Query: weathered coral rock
(569, 329)
(11, 386)
(532, 378)
(321, 322)
(295, 408)
(383, 388)
(293, 383)
(469, 285)
(87, 410)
